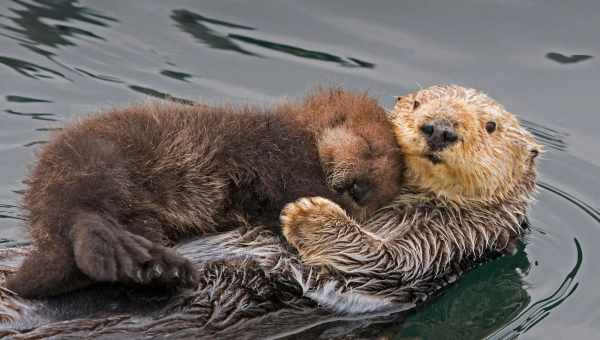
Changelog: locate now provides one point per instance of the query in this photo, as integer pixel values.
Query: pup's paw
(167, 268)
(109, 254)
(302, 220)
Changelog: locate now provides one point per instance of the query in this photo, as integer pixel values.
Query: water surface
(61, 59)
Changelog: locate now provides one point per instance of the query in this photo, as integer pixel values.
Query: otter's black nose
(359, 191)
(439, 135)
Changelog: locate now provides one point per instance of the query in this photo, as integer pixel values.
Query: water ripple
(157, 94)
(10, 211)
(539, 310)
(301, 52)
(176, 75)
(191, 23)
(30, 70)
(585, 207)
(567, 59)
(23, 99)
(34, 115)
(33, 22)
(194, 24)
(111, 79)
(551, 138)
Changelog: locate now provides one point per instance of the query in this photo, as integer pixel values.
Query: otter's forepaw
(302, 220)
(113, 255)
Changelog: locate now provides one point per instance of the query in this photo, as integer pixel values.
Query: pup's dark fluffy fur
(110, 193)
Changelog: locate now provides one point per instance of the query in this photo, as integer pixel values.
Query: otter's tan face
(461, 144)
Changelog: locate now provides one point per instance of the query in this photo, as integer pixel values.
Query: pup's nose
(439, 135)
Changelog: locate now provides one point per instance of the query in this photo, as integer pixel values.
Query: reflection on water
(585, 207)
(302, 53)
(539, 310)
(193, 24)
(29, 69)
(44, 24)
(34, 143)
(11, 211)
(22, 99)
(33, 115)
(570, 59)
(489, 297)
(161, 95)
(50, 23)
(98, 76)
(176, 75)
(550, 138)
(485, 298)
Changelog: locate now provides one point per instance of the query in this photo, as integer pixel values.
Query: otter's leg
(325, 236)
(105, 251)
(99, 250)
(48, 270)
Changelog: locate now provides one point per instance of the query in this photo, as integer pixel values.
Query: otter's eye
(416, 105)
(490, 127)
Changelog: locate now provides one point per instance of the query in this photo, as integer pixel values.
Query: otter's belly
(251, 287)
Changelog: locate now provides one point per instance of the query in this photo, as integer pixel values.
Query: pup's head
(462, 145)
(363, 165)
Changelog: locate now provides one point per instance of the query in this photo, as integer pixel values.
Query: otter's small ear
(535, 151)
(391, 114)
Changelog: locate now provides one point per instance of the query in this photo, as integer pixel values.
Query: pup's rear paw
(301, 220)
(110, 254)
(167, 268)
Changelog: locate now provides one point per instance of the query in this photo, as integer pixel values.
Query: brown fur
(109, 193)
(459, 202)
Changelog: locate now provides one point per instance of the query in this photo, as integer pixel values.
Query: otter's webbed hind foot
(107, 252)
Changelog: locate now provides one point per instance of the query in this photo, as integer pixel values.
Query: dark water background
(61, 59)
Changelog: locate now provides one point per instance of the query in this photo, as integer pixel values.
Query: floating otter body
(251, 287)
(404, 253)
(108, 194)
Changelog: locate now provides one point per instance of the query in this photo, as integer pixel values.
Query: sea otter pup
(470, 177)
(110, 193)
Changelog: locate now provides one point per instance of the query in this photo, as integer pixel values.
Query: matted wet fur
(110, 193)
(251, 287)
(470, 177)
